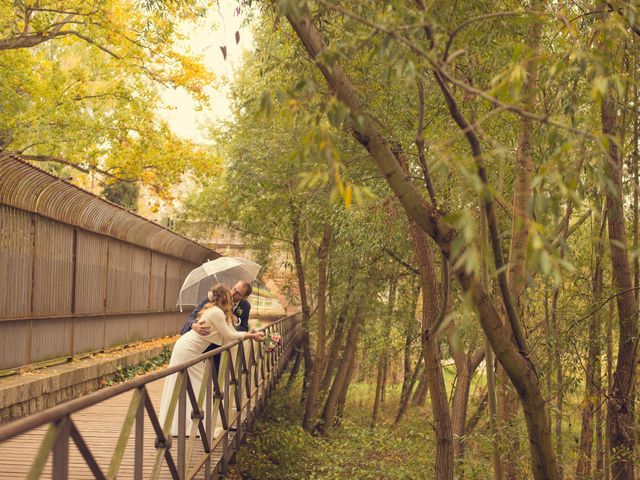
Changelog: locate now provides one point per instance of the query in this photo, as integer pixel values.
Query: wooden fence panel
(140, 269)
(16, 262)
(157, 284)
(81, 274)
(91, 273)
(53, 270)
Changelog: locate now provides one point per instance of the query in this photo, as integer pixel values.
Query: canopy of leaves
(79, 86)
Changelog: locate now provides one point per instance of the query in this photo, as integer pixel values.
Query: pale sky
(206, 38)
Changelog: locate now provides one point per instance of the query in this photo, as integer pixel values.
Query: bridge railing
(232, 394)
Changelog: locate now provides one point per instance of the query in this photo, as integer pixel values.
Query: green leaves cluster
(80, 82)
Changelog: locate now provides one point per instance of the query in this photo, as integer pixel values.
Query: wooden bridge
(82, 275)
(115, 432)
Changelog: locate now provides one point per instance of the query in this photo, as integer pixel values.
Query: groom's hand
(201, 329)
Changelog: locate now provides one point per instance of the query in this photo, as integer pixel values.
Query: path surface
(100, 426)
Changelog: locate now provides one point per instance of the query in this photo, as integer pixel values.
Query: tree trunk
(465, 368)
(304, 303)
(420, 395)
(607, 457)
(583, 468)
(433, 367)
(338, 335)
(557, 360)
(490, 364)
(318, 369)
(634, 171)
(601, 451)
(342, 397)
(431, 221)
(333, 356)
(406, 363)
(507, 413)
(342, 376)
(385, 372)
(522, 195)
(410, 375)
(620, 405)
(378, 396)
(410, 380)
(382, 362)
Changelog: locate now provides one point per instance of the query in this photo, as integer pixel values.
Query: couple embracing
(211, 324)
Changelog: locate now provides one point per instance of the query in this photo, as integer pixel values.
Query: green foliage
(124, 194)
(86, 99)
(291, 161)
(279, 448)
(130, 371)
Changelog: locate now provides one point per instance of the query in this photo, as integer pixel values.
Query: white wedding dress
(189, 346)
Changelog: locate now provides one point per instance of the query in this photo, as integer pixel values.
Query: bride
(217, 316)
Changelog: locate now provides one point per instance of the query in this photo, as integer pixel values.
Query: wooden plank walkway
(100, 426)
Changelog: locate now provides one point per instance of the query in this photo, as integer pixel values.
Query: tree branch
(398, 259)
(437, 66)
(62, 161)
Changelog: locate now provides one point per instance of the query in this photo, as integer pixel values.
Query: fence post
(182, 418)
(240, 360)
(227, 413)
(139, 446)
(208, 401)
(61, 450)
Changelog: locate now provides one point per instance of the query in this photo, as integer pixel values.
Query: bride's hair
(219, 296)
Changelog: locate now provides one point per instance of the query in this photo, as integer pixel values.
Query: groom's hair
(247, 288)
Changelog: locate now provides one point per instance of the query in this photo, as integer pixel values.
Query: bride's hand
(258, 336)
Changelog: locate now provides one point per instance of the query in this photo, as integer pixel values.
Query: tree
(80, 85)
(518, 368)
(124, 194)
(509, 104)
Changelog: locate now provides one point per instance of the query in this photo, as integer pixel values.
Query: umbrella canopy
(225, 270)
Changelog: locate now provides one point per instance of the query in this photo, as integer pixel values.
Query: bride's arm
(219, 323)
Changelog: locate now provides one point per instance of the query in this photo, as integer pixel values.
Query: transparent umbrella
(225, 270)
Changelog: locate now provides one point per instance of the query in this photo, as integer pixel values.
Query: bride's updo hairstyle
(219, 296)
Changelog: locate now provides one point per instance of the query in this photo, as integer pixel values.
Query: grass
(280, 449)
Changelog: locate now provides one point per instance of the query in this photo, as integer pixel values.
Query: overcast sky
(206, 38)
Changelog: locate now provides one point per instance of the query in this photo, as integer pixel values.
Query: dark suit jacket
(241, 311)
(192, 318)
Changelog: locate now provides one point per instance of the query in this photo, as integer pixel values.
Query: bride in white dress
(217, 316)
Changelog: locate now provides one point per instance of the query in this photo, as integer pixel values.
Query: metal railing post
(139, 445)
(182, 418)
(208, 401)
(227, 413)
(61, 450)
(240, 360)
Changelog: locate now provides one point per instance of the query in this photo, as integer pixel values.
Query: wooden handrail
(67, 408)
(242, 384)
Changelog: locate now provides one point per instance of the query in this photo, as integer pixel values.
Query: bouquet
(272, 341)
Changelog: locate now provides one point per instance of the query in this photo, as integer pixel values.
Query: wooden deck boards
(100, 427)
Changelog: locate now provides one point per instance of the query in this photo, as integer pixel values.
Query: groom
(240, 292)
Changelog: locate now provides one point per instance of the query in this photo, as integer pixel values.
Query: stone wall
(32, 392)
